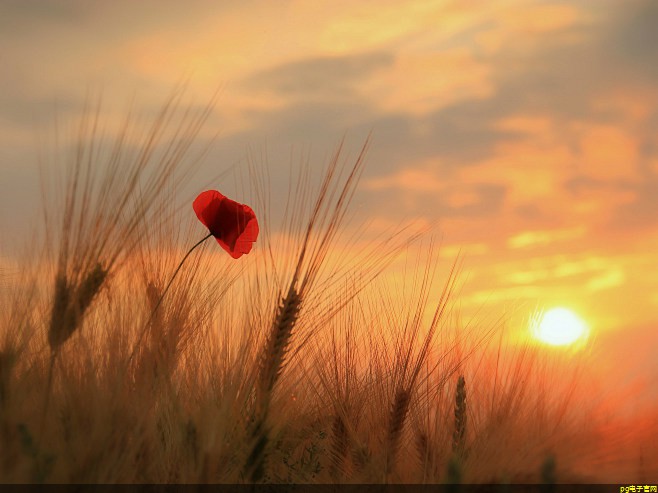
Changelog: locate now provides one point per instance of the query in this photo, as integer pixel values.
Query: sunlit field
(310, 356)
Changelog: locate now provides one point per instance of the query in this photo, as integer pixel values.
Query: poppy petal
(206, 206)
(233, 225)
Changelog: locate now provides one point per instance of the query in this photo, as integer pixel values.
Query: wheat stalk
(260, 437)
(426, 453)
(312, 252)
(548, 476)
(109, 191)
(7, 362)
(276, 347)
(146, 325)
(272, 362)
(453, 474)
(69, 307)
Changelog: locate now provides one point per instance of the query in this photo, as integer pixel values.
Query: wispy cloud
(542, 238)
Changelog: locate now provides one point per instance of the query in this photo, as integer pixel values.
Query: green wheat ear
(460, 417)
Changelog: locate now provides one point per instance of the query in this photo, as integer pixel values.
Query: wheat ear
(276, 346)
(69, 306)
(339, 447)
(460, 417)
(396, 425)
(71, 303)
(272, 362)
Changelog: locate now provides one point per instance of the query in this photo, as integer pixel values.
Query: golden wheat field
(127, 356)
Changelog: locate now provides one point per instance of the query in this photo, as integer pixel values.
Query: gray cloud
(325, 77)
(489, 201)
(642, 213)
(18, 15)
(633, 38)
(559, 77)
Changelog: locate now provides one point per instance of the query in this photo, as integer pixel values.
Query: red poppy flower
(233, 225)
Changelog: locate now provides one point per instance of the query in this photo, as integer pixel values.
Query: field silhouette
(299, 362)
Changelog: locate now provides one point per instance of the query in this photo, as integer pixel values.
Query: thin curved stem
(157, 305)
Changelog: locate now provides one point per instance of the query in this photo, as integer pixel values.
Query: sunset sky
(527, 130)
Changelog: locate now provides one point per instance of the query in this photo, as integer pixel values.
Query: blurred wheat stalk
(110, 190)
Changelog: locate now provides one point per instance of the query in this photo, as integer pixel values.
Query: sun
(559, 327)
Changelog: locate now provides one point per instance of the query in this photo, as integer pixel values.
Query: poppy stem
(164, 292)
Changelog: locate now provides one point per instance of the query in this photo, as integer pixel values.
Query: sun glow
(559, 327)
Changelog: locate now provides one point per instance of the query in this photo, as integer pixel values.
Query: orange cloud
(527, 21)
(537, 126)
(420, 83)
(408, 179)
(532, 172)
(461, 198)
(541, 238)
(597, 205)
(350, 26)
(539, 18)
(610, 278)
(466, 250)
(630, 107)
(528, 277)
(608, 153)
(503, 294)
